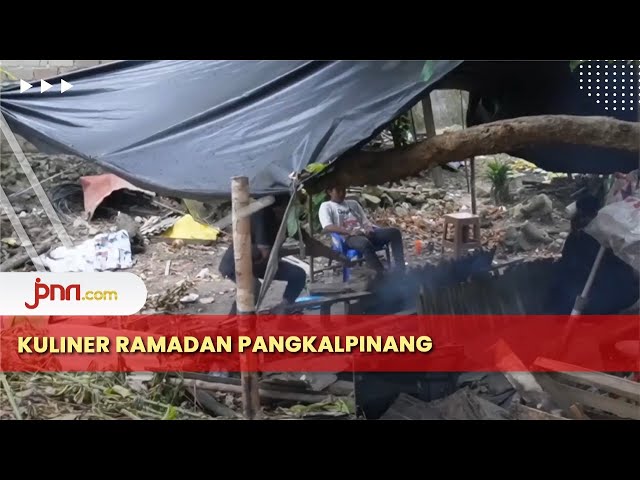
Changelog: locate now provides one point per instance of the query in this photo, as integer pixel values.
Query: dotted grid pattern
(613, 84)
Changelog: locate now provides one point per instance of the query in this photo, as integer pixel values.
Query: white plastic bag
(624, 185)
(106, 251)
(617, 226)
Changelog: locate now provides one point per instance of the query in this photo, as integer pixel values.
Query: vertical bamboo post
(245, 300)
(467, 161)
(311, 257)
(472, 181)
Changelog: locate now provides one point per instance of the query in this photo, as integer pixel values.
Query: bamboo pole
(467, 161)
(472, 182)
(245, 301)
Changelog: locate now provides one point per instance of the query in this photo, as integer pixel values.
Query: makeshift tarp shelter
(184, 128)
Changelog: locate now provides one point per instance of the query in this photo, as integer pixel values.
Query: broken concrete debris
(492, 386)
(580, 396)
(461, 405)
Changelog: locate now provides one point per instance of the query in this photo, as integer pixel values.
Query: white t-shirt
(348, 214)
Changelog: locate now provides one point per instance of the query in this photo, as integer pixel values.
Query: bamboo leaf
(122, 391)
(315, 167)
(293, 220)
(7, 74)
(171, 413)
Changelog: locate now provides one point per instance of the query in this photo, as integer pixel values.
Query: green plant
(400, 129)
(7, 73)
(299, 213)
(499, 174)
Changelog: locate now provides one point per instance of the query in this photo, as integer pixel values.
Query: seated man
(347, 218)
(264, 230)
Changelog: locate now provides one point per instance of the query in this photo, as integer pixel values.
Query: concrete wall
(446, 109)
(38, 69)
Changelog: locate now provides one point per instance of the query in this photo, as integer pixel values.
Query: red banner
(366, 343)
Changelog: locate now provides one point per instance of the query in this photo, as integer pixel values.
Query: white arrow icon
(24, 86)
(44, 86)
(64, 86)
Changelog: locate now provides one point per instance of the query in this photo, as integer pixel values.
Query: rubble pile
(48, 169)
(177, 268)
(554, 391)
(535, 225)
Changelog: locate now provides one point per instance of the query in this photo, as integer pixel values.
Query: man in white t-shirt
(347, 218)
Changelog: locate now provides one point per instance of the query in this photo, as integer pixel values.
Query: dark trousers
(295, 277)
(367, 245)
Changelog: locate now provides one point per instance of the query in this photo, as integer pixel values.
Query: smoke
(399, 291)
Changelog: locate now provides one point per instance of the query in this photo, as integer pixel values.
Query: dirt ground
(164, 263)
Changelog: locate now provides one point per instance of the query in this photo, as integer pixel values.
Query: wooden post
(472, 181)
(414, 132)
(311, 232)
(430, 127)
(467, 161)
(245, 300)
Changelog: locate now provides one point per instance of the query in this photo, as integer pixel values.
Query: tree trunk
(375, 168)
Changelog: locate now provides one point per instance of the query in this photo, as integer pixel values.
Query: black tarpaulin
(184, 128)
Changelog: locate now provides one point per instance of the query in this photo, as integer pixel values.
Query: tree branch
(374, 168)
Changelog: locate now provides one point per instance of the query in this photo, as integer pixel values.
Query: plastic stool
(463, 223)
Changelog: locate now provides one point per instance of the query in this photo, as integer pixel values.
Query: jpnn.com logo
(73, 294)
(42, 291)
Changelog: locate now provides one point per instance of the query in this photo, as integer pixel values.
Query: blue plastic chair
(308, 299)
(339, 245)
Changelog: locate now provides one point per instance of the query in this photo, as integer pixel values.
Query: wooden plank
(324, 301)
(519, 376)
(264, 393)
(575, 412)
(558, 396)
(618, 407)
(341, 388)
(303, 381)
(522, 412)
(603, 381)
(336, 288)
(209, 402)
